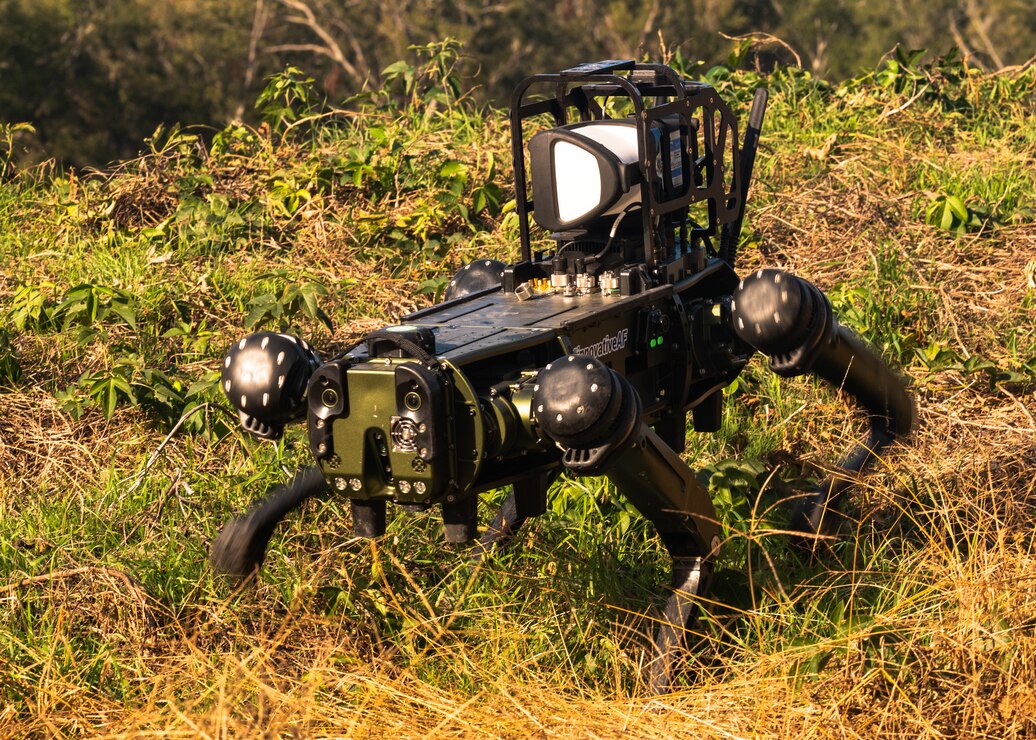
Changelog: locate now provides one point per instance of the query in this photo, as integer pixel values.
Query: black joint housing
(577, 400)
(258, 428)
(587, 408)
(264, 377)
(475, 277)
(784, 317)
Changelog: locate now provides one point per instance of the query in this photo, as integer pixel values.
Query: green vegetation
(906, 192)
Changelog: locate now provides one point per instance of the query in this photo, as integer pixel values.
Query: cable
(574, 243)
(615, 230)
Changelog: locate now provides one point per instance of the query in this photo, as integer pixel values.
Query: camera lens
(329, 397)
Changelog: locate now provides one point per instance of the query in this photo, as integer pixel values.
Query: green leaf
(263, 306)
(956, 205)
(310, 303)
(105, 391)
(1007, 376)
(397, 68)
(29, 308)
(434, 286)
(977, 363)
(87, 335)
(453, 168)
(126, 312)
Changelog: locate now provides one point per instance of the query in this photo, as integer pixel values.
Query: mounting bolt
(404, 486)
(420, 486)
(341, 484)
(355, 484)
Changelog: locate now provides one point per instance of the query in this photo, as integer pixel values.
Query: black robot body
(585, 357)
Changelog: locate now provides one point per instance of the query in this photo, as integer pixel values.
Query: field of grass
(908, 194)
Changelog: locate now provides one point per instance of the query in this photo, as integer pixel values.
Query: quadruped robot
(585, 357)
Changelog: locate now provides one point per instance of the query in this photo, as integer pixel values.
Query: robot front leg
(264, 375)
(240, 547)
(663, 488)
(594, 414)
(791, 321)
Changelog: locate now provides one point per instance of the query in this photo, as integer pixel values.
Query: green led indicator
(652, 343)
(660, 341)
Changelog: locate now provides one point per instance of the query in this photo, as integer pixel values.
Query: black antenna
(732, 232)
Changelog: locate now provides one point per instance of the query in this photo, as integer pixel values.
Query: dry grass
(967, 610)
(920, 621)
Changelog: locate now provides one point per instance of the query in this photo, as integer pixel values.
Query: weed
(8, 133)
(287, 97)
(949, 212)
(10, 370)
(294, 299)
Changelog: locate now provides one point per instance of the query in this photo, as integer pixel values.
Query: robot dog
(584, 357)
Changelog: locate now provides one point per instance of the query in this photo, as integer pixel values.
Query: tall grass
(907, 194)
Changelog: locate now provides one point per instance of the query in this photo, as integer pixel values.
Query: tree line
(95, 77)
